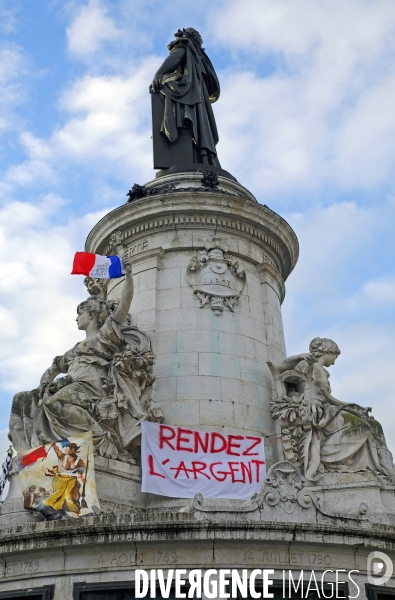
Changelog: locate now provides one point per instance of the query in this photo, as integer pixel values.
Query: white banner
(181, 463)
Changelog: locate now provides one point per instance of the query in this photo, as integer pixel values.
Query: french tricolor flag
(99, 267)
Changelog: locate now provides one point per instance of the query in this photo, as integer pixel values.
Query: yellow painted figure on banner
(63, 490)
(68, 479)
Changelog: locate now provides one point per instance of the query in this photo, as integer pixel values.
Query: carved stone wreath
(217, 280)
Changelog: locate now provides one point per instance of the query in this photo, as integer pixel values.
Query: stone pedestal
(102, 553)
(212, 349)
(210, 369)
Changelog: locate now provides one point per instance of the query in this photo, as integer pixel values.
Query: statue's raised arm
(100, 391)
(123, 307)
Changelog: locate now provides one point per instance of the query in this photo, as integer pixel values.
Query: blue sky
(306, 122)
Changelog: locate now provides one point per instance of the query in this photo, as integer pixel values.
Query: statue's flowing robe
(339, 440)
(189, 92)
(70, 410)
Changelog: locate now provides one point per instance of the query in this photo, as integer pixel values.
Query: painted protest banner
(58, 479)
(181, 463)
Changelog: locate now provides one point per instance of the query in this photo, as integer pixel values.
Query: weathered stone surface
(110, 548)
(328, 439)
(210, 370)
(105, 376)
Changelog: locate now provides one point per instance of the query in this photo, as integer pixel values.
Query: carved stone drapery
(102, 384)
(321, 434)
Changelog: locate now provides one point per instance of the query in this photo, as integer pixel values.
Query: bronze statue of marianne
(183, 89)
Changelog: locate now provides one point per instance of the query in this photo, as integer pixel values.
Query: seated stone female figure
(100, 370)
(342, 437)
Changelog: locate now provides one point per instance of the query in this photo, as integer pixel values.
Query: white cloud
(36, 167)
(324, 114)
(379, 293)
(13, 69)
(329, 247)
(331, 294)
(381, 290)
(8, 322)
(363, 372)
(294, 29)
(90, 29)
(8, 16)
(341, 245)
(366, 143)
(107, 129)
(39, 297)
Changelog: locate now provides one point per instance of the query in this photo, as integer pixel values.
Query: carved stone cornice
(250, 221)
(204, 220)
(159, 524)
